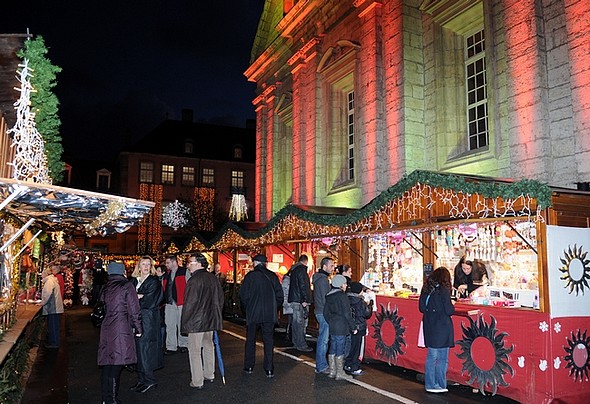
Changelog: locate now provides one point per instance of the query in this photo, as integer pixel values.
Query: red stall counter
(518, 353)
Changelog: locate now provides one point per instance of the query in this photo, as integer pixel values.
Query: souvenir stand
(527, 335)
(52, 209)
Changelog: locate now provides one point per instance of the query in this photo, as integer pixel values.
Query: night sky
(128, 65)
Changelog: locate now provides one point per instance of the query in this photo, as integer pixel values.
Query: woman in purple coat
(119, 328)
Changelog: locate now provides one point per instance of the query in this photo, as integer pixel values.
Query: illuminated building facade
(354, 94)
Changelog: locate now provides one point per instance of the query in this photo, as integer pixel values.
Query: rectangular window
(476, 87)
(146, 172)
(208, 177)
(188, 176)
(237, 182)
(167, 174)
(350, 132)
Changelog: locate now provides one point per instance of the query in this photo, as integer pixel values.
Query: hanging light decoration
(238, 209)
(30, 161)
(175, 215)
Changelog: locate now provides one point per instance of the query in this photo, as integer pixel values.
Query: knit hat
(356, 287)
(338, 281)
(115, 268)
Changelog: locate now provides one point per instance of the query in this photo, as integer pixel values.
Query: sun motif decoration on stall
(578, 355)
(389, 334)
(484, 354)
(575, 269)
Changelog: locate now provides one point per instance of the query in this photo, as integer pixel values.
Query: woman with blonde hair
(149, 352)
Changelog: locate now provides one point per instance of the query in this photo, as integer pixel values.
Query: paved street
(71, 375)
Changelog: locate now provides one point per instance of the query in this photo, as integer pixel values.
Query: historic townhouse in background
(354, 94)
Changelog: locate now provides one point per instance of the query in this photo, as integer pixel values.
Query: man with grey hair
(201, 315)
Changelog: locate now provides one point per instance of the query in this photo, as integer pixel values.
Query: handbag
(421, 331)
(99, 312)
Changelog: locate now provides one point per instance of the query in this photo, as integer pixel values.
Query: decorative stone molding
(295, 17)
(334, 52)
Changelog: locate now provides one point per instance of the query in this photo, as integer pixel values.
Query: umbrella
(219, 357)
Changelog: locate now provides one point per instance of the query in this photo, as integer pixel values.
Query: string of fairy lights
(415, 204)
(30, 161)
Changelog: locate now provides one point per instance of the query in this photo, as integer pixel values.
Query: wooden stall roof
(422, 198)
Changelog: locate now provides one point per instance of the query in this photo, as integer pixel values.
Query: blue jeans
(53, 331)
(321, 349)
(435, 370)
(337, 343)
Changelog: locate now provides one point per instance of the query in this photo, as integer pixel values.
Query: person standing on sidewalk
(300, 299)
(175, 284)
(339, 317)
(261, 295)
(437, 308)
(201, 315)
(121, 325)
(321, 287)
(149, 351)
(53, 307)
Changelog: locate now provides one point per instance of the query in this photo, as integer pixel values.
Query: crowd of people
(165, 309)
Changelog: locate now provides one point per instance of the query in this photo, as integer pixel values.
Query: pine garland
(486, 187)
(45, 103)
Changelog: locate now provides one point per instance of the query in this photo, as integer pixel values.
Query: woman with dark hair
(462, 278)
(120, 327)
(150, 295)
(346, 271)
(437, 308)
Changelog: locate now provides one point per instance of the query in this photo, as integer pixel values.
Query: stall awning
(63, 208)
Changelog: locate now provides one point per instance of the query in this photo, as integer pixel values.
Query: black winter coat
(361, 311)
(117, 340)
(436, 320)
(149, 351)
(261, 294)
(299, 288)
(338, 314)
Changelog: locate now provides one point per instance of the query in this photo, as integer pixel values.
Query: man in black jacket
(300, 299)
(261, 294)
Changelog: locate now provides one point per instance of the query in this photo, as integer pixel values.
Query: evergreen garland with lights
(45, 103)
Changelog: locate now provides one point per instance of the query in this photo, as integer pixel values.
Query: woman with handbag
(437, 308)
(149, 352)
(120, 327)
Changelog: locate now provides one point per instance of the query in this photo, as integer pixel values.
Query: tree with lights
(44, 102)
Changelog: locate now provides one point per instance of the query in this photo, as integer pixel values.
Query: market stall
(524, 335)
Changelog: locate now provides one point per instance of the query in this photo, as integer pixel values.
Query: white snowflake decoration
(521, 361)
(30, 161)
(543, 364)
(543, 326)
(238, 209)
(175, 215)
(557, 327)
(556, 362)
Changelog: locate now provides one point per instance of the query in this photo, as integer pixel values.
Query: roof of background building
(215, 142)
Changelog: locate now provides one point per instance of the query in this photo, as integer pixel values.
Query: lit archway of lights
(575, 269)
(389, 334)
(484, 355)
(578, 355)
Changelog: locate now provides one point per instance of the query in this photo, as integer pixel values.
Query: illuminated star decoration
(238, 209)
(175, 215)
(30, 161)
